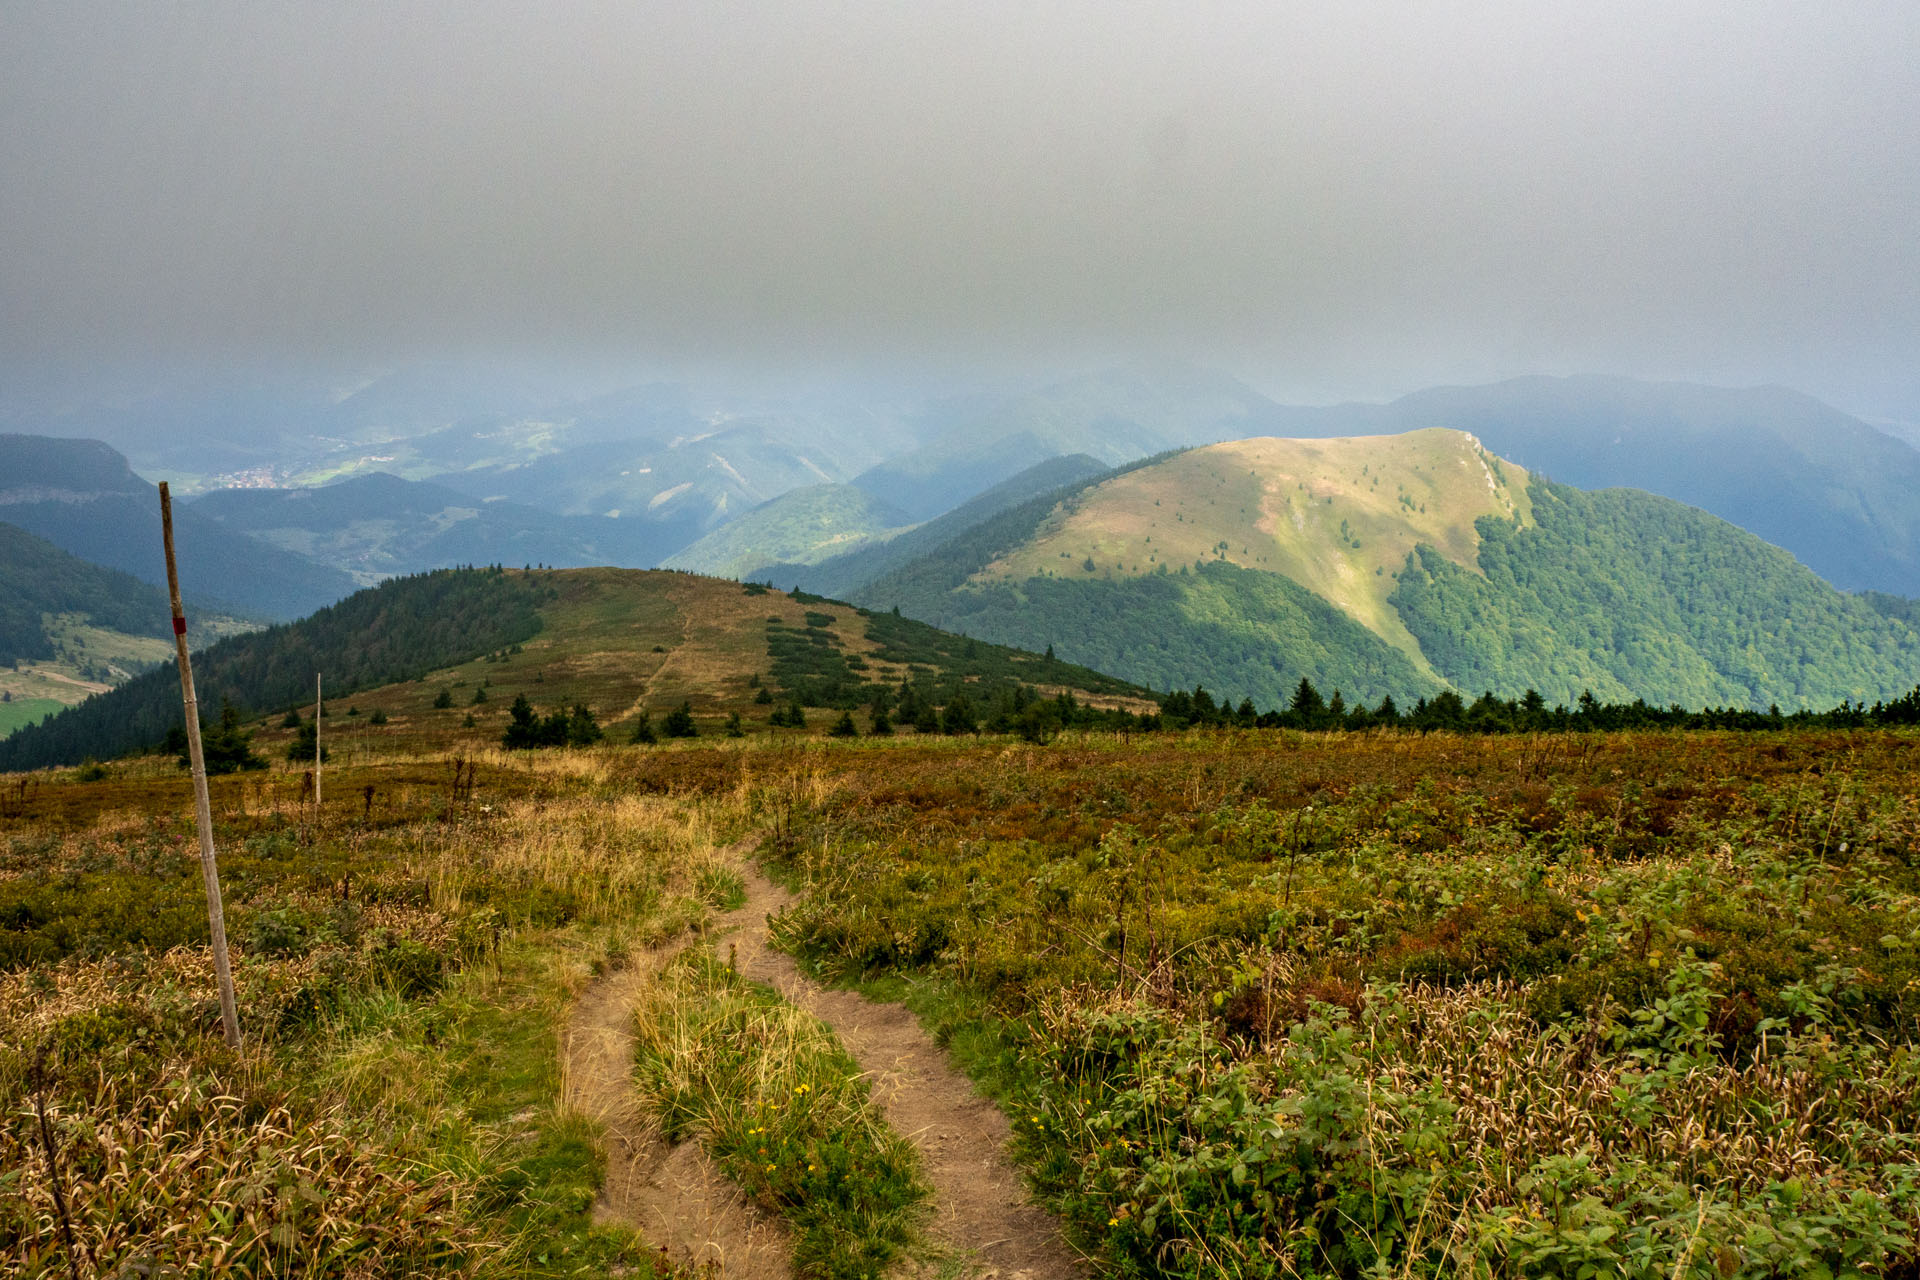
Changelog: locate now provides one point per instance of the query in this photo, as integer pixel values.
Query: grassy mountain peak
(1339, 517)
(1402, 565)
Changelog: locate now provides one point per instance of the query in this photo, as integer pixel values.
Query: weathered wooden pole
(316, 745)
(203, 808)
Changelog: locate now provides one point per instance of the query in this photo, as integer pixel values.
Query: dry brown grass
(209, 1183)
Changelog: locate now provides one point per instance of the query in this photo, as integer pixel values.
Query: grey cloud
(1342, 198)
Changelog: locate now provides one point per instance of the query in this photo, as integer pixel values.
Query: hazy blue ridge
(399, 630)
(1632, 595)
(377, 525)
(1114, 417)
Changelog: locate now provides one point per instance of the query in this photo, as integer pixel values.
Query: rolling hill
(81, 496)
(429, 651)
(1399, 565)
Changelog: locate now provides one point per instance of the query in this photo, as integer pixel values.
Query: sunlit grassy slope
(630, 642)
(805, 526)
(1339, 517)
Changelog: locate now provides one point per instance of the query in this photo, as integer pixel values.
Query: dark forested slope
(1843, 497)
(1630, 595)
(38, 578)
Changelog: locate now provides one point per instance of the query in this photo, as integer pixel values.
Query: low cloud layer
(1336, 199)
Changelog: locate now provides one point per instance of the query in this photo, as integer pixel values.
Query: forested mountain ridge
(38, 579)
(69, 628)
(1252, 564)
(1840, 494)
(81, 496)
(1630, 595)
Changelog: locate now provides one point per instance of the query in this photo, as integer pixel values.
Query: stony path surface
(982, 1216)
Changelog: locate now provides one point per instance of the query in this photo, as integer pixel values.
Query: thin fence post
(203, 807)
(316, 746)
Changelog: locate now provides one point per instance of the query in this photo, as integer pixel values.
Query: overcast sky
(1332, 199)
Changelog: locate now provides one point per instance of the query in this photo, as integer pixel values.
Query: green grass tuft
(785, 1112)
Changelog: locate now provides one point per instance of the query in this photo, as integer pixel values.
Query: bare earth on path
(671, 1193)
(982, 1211)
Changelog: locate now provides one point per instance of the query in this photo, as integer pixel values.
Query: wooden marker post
(203, 808)
(316, 746)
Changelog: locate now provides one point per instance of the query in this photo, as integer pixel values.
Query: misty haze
(855, 640)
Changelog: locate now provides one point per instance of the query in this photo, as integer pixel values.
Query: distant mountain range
(674, 465)
(376, 526)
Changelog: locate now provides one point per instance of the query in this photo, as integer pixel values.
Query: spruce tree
(225, 748)
(1308, 709)
(522, 731)
(582, 729)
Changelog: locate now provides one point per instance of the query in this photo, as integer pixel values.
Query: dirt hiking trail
(981, 1215)
(981, 1210)
(671, 1193)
